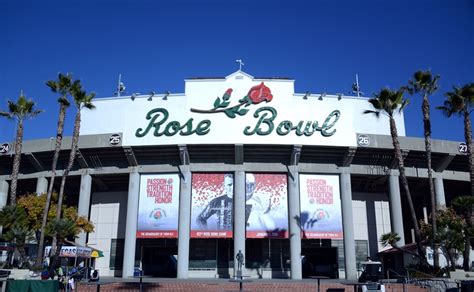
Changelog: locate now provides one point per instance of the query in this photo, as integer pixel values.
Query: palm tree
(15, 221)
(392, 239)
(463, 205)
(81, 100)
(425, 84)
(19, 111)
(461, 102)
(61, 86)
(61, 229)
(387, 102)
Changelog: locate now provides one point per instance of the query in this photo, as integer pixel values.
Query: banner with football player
(212, 205)
(320, 203)
(266, 205)
(158, 208)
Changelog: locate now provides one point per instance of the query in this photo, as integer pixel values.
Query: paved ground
(211, 285)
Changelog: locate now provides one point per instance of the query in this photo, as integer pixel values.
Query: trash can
(137, 272)
(467, 286)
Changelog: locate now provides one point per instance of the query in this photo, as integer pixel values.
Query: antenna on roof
(241, 63)
(356, 87)
(120, 86)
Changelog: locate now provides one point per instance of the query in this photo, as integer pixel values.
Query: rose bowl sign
(234, 110)
(264, 124)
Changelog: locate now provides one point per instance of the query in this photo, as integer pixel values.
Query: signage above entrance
(233, 110)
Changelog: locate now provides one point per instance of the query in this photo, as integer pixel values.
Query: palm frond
(76, 87)
(423, 82)
(376, 103)
(446, 111)
(405, 102)
(64, 101)
(459, 100)
(6, 115)
(376, 113)
(22, 109)
(35, 113)
(53, 85)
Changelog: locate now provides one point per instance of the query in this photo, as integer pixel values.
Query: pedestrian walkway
(211, 285)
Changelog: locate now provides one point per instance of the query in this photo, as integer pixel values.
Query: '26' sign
(363, 140)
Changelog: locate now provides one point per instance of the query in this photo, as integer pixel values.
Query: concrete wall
(108, 213)
(371, 219)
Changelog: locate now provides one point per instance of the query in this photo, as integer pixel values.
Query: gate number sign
(363, 140)
(462, 148)
(4, 148)
(114, 139)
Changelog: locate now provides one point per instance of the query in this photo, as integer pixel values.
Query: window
(116, 253)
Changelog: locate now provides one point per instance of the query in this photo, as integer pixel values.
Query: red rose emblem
(260, 93)
(228, 92)
(157, 214)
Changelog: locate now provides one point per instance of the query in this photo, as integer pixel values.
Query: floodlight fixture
(165, 96)
(134, 95)
(150, 98)
(306, 95)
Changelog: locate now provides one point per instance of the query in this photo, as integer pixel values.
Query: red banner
(158, 209)
(266, 207)
(157, 234)
(211, 234)
(323, 235)
(212, 205)
(267, 234)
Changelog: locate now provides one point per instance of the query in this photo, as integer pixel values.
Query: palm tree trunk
(401, 168)
(469, 219)
(452, 261)
(57, 149)
(468, 138)
(55, 260)
(72, 156)
(23, 258)
(425, 107)
(16, 161)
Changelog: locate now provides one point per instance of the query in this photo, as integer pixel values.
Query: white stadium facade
(178, 184)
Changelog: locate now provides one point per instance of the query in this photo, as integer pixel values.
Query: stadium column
(84, 203)
(184, 222)
(294, 213)
(439, 191)
(3, 196)
(41, 185)
(239, 216)
(3, 193)
(131, 224)
(348, 222)
(396, 216)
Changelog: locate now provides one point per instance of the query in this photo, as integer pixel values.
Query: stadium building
(178, 184)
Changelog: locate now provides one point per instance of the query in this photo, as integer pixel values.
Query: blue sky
(157, 44)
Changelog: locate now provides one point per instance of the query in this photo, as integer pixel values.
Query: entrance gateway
(220, 184)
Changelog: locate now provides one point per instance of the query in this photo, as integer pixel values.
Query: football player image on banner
(158, 206)
(212, 205)
(266, 207)
(320, 203)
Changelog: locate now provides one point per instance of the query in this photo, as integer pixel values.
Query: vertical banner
(266, 206)
(158, 206)
(320, 202)
(212, 205)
